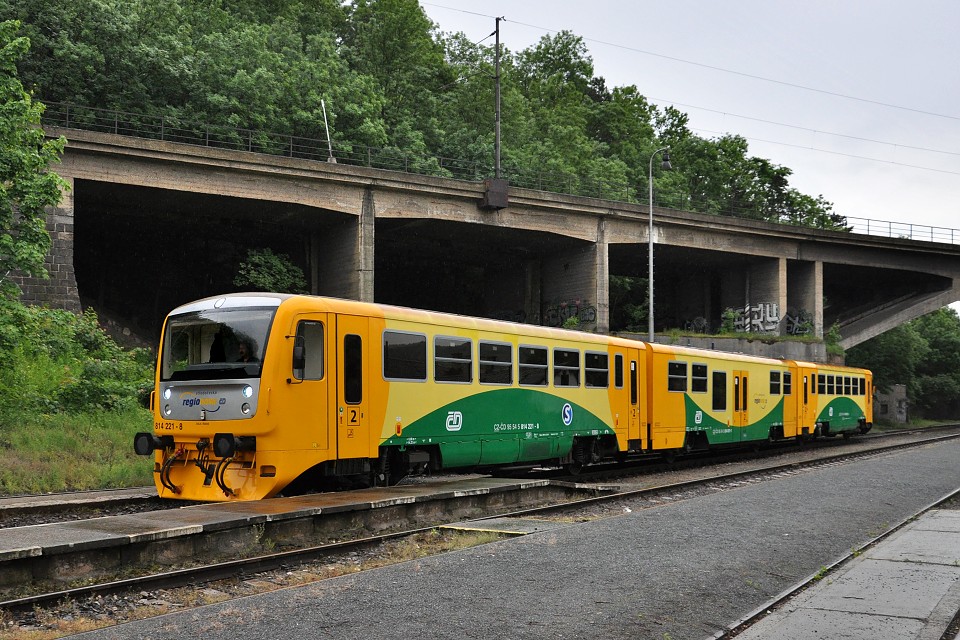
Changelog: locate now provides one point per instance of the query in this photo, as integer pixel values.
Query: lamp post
(664, 165)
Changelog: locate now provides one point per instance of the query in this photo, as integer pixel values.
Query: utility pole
(496, 136)
(496, 190)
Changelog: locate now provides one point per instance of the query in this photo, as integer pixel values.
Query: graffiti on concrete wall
(557, 314)
(799, 323)
(758, 318)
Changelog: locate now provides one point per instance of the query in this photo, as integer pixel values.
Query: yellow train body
(338, 388)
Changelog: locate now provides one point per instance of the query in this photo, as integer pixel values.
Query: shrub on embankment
(68, 403)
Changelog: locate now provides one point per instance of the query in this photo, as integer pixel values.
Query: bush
(56, 361)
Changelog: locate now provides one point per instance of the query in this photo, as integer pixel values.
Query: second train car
(257, 394)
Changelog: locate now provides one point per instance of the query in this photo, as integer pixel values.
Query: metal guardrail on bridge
(171, 129)
(906, 230)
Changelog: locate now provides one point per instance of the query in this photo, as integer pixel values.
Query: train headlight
(245, 408)
(247, 391)
(167, 393)
(167, 410)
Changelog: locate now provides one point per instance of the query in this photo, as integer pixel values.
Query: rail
(180, 130)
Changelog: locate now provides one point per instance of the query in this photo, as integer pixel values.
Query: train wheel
(573, 468)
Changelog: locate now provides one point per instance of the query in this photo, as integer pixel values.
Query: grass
(72, 451)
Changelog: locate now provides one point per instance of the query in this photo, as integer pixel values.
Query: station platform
(122, 530)
(905, 587)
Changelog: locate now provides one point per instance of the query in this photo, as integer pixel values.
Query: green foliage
(628, 303)
(728, 321)
(26, 186)
(67, 391)
(265, 270)
(55, 361)
(923, 354)
(391, 80)
(832, 341)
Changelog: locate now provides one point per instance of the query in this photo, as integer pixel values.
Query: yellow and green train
(258, 394)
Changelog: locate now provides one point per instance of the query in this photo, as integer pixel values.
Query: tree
(265, 270)
(27, 187)
(893, 356)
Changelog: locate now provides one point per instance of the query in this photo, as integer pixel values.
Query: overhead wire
(771, 80)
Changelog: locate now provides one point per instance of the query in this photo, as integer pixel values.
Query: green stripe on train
(842, 414)
(721, 432)
(502, 426)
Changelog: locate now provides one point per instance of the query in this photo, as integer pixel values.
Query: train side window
(787, 383)
(566, 368)
(633, 382)
(309, 337)
(830, 386)
(676, 376)
(452, 359)
(736, 393)
(496, 363)
(533, 366)
(821, 383)
(847, 386)
(698, 378)
(863, 386)
(774, 383)
(719, 390)
(404, 356)
(596, 369)
(618, 371)
(352, 369)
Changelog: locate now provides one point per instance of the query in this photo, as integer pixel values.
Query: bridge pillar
(60, 290)
(569, 287)
(805, 295)
(766, 287)
(341, 257)
(602, 270)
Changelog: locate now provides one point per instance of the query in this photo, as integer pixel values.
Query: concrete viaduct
(150, 224)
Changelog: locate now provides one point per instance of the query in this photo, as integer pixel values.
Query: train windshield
(215, 344)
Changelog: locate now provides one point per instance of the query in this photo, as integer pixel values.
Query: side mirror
(299, 357)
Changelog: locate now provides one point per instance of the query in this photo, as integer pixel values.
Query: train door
(307, 391)
(791, 400)
(807, 402)
(741, 413)
(635, 432)
(352, 393)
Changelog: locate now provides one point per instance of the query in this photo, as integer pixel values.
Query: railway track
(17, 511)
(583, 509)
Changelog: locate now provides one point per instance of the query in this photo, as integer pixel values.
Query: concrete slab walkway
(906, 587)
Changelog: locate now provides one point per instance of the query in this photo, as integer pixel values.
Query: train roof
(712, 353)
(405, 314)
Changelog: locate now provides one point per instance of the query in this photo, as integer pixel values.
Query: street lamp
(666, 166)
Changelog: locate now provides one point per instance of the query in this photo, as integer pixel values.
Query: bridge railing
(907, 230)
(172, 129)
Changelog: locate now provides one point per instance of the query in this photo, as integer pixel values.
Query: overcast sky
(861, 99)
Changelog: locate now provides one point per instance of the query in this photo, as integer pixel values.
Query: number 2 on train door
(352, 425)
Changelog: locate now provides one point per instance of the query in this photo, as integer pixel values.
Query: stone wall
(59, 291)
